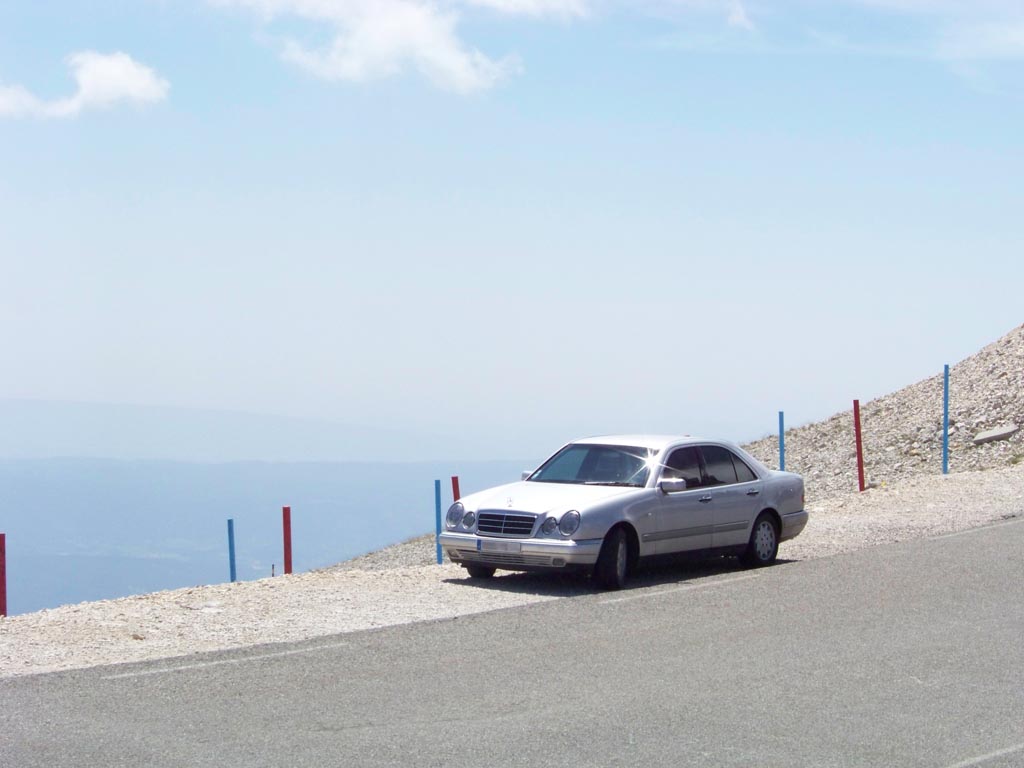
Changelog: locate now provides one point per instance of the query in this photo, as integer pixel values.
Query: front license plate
(497, 546)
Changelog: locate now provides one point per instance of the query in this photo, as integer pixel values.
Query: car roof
(655, 442)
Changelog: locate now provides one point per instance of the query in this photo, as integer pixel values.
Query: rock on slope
(902, 432)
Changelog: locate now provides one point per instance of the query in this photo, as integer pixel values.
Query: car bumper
(519, 554)
(792, 524)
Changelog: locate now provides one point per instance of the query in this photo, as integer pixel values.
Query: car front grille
(506, 559)
(505, 523)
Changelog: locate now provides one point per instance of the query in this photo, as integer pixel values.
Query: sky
(513, 222)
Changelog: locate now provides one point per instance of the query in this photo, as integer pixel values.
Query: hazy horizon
(35, 428)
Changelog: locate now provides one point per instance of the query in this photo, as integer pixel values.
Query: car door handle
(704, 499)
(753, 492)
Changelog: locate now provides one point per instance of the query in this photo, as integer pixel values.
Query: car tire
(613, 562)
(763, 546)
(479, 571)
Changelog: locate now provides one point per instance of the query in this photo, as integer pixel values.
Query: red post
(3, 574)
(286, 515)
(455, 488)
(860, 446)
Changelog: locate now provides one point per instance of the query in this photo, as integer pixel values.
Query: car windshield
(597, 465)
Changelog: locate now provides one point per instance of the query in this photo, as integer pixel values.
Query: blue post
(945, 420)
(782, 442)
(231, 547)
(437, 519)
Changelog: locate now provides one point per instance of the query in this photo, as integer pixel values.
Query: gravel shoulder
(401, 584)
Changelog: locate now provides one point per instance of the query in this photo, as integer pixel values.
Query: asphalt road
(904, 655)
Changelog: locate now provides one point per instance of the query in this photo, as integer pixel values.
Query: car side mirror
(526, 474)
(673, 485)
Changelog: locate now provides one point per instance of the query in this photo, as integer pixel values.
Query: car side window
(718, 466)
(683, 464)
(744, 474)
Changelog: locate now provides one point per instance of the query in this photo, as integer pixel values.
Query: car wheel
(613, 561)
(764, 542)
(479, 571)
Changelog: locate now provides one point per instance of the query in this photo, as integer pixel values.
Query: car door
(735, 495)
(685, 517)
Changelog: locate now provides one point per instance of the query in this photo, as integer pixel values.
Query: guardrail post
(3, 574)
(231, 548)
(860, 445)
(437, 520)
(782, 442)
(945, 420)
(286, 519)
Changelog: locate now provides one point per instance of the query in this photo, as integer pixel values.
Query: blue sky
(514, 220)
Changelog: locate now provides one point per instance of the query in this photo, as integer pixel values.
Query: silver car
(604, 503)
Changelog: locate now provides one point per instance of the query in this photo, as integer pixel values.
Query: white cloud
(103, 80)
(15, 101)
(378, 39)
(689, 12)
(373, 39)
(738, 16)
(369, 40)
(536, 8)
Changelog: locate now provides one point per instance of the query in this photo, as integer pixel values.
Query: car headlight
(455, 513)
(549, 526)
(569, 523)
(468, 519)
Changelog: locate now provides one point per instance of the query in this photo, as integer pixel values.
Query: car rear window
(743, 473)
(718, 465)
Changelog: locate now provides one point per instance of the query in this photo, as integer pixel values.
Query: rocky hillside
(902, 432)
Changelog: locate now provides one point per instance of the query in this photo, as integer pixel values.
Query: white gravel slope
(400, 585)
(902, 431)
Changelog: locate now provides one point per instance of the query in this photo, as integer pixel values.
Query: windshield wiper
(620, 483)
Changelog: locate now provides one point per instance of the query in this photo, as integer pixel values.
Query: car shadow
(660, 571)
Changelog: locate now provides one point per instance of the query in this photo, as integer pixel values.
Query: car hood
(539, 498)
